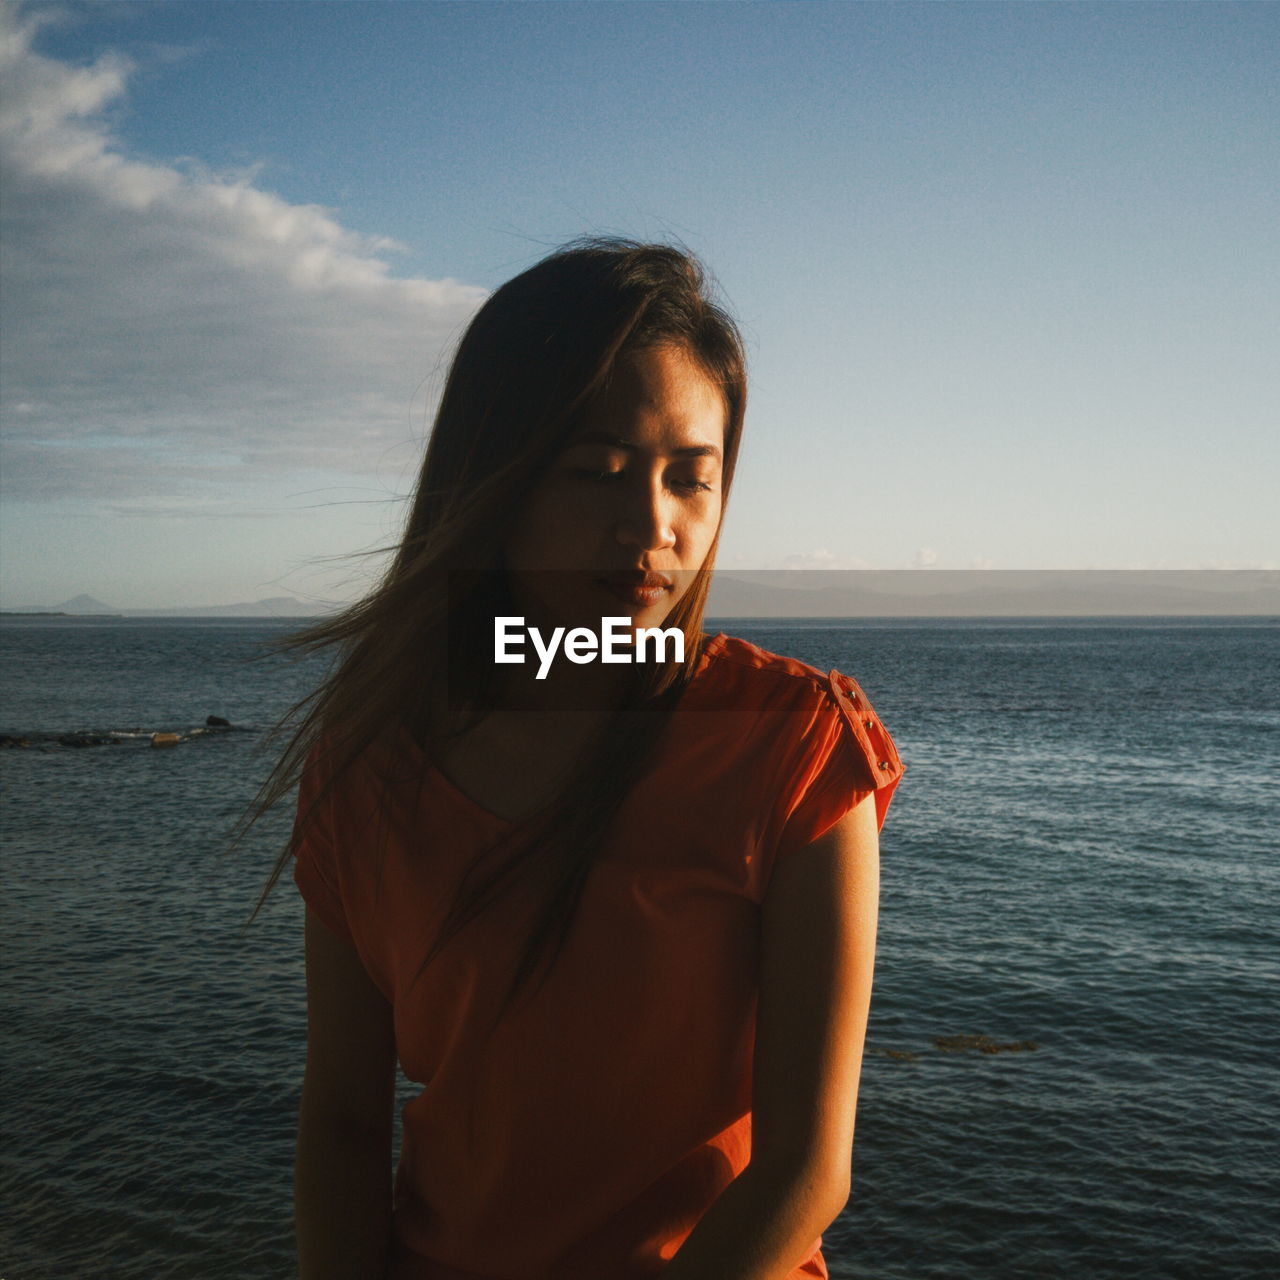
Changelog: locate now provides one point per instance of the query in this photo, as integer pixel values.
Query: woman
(616, 918)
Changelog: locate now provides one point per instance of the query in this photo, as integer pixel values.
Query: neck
(589, 688)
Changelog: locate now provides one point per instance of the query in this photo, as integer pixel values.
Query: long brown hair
(534, 358)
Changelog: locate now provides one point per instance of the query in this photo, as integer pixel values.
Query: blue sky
(1007, 271)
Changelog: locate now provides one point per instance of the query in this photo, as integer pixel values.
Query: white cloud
(821, 559)
(169, 332)
(924, 558)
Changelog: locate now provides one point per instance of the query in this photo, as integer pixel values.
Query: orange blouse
(584, 1137)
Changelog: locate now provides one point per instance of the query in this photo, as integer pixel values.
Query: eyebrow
(617, 442)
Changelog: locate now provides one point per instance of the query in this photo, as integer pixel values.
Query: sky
(1007, 272)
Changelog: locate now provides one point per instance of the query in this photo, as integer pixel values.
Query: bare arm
(817, 954)
(342, 1174)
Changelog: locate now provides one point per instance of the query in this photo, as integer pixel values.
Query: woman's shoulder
(801, 704)
(749, 670)
(731, 656)
(362, 769)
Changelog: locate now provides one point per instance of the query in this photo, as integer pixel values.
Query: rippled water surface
(1082, 859)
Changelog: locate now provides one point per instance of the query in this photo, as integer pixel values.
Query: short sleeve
(315, 869)
(842, 753)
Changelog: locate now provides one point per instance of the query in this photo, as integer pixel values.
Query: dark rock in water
(12, 740)
(85, 740)
(217, 722)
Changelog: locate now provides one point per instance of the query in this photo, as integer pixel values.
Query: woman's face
(625, 517)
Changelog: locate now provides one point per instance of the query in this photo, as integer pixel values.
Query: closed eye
(610, 477)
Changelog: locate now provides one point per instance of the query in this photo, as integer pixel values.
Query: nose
(644, 519)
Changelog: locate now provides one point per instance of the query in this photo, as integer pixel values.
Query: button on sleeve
(844, 754)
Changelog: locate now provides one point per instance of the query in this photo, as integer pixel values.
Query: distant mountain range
(995, 593)
(83, 606)
(886, 593)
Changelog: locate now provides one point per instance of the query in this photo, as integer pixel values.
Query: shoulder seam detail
(873, 739)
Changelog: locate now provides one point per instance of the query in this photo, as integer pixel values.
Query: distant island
(875, 593)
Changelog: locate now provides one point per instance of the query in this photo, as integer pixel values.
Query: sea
(1073, 1060)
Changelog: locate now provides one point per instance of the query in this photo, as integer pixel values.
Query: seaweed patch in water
(983, 1044)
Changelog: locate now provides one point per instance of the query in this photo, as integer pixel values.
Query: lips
(637, 588)
(637, 578)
